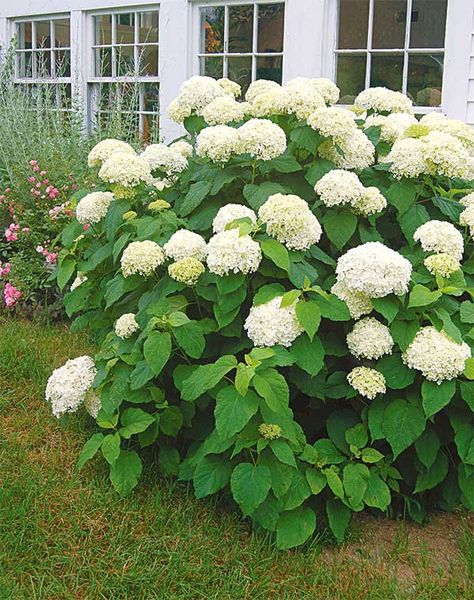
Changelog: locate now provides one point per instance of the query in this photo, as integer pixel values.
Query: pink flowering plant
(31, 219)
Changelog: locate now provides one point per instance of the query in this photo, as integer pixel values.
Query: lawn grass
(66, 535)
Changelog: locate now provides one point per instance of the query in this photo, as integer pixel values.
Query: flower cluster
(230, 252)
(141, 258)
(436, 355)
(67, 386)
(217, 143)
(289, 220)
(392, 127)
(369, 339)
(126, 326)
(186, 270)
(269, 431)
(124, 171)
(11, 295)
(186, 244)
(383, 100)
(440, 237)
(223, 110)
(194, 95)
(164, 158)
(229, 213)
(368, 382)
(374, 270)
(441, 264)
(340, 187)
(270, 324)
(261, 139)
(104, 150)
(93, 207)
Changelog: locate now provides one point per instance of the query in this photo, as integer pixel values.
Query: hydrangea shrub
(283, 303)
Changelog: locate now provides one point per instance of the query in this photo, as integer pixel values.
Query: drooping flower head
(93, 207)
(440, 236)
(126, 326)
(67, 386)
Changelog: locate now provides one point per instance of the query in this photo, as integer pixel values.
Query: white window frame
(195, 25)
(53, 79)
(331, 25)
(93, 81)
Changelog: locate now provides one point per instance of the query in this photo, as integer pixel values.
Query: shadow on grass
(66, 535)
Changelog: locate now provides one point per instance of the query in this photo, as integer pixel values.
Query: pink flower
(11, 294)
(42, 173)
(5, 269)
(85, 227)
(36, 168)
(33, 162)
(26, 230)
(39, 249)
(51, 258)
(31, 179)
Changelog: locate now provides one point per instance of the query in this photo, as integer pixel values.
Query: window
(398, 44)
(125, 80)
(243, 42)
(43, 60)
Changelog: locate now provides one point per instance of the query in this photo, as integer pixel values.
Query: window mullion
(406, 46)
(255, 41)
(225, 66)
(370, 30)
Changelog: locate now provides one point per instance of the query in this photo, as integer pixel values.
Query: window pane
(25, 62)
(353, 23)
(43, 34)
(125, 61)
(350, 76)
(63, 63)
(148, 27)
(428, 23)
(103, 62)
(389, 24)
(241, 28)
(43, 64)
(125, 28)
(24, 35)
(269, 67)
(148, 57)
(425, 77)
(103, 30)
(212, 66)
(239, 69)
(270, 27)
(62, 36)
(387, 71)
(212, 30)
(151, 97)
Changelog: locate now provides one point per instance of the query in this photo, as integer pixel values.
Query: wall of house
(310, 36)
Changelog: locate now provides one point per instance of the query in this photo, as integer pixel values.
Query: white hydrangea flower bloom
(301, 101)
(440, 236)
(67, 386)
(178, 110)
(369, 339)
(261, 139)
(370, 202)
(381, 99)
(467, 200)
(126, 326)
(186, 270)
(223, 110)
(368, 382)
(141, 258)
(268, 324)
(445, 155)
(164, 158)
(358, 303)
(229, 252)
(270, 102)
(92, 403)
(358, 152)
(127, 170)
(441, 264)
(217, 143)
(460, 130)
(199, 91)
(93, 207)
(436, 355)
(407, 158)
(466, 218)
(182, 147)
(392, 127)
(289, 220)
(104, 149)
(321, 86)
(231, 212)
(79, 280)
(339, 187)
(185, 244)
(259, 87)
(334, 122)
(231, 88)
(375, 270)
